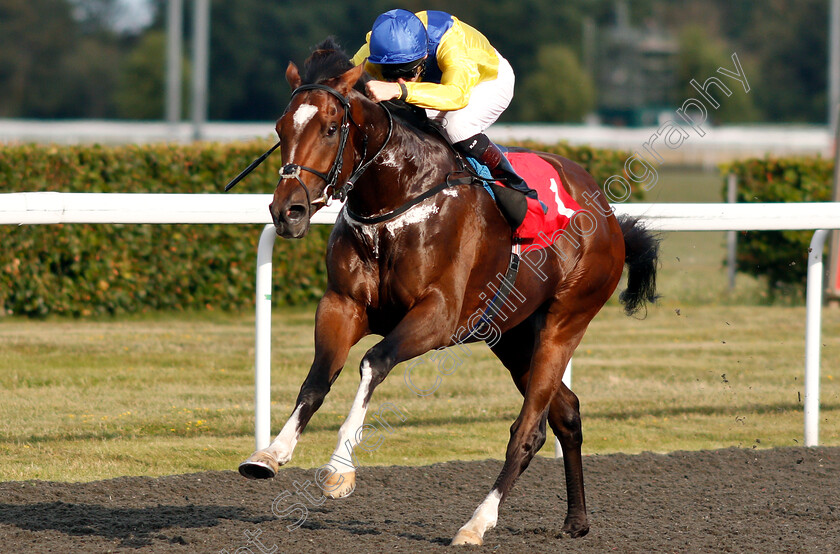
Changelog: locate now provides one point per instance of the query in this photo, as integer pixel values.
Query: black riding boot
(482, 149)
(512, 199)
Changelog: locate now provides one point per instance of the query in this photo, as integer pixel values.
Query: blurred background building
(636, 70)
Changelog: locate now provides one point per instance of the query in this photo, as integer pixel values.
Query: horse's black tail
(641, 255)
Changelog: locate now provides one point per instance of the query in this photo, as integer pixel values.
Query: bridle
(332, 190)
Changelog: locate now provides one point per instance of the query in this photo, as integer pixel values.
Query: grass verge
(173, 394)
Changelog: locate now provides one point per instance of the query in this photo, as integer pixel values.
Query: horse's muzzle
(291, 221)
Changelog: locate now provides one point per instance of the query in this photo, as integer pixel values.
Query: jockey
(435, 61)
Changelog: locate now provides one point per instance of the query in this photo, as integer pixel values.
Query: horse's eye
(331, 131)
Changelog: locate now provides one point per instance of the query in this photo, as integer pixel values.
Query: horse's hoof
(576, 529)
(339, 485)
(260, 465)
(467, 537)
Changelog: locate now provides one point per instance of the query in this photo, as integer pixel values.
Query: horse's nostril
(295, 212)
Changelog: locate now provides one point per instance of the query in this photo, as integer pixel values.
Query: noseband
(332, 191)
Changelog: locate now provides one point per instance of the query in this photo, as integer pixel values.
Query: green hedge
(84, 270)
(602, 164)
(781, 256)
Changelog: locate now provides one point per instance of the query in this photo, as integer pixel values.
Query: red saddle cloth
(538, 227)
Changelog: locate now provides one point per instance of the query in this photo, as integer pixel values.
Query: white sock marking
(486, 515)
(284, 445)
(342, 459)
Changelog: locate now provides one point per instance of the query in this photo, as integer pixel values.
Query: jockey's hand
(380, 91)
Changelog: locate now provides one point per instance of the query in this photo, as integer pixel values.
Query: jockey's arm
(459, 75)
(377, 89)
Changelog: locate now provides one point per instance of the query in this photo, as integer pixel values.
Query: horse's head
(314, 136)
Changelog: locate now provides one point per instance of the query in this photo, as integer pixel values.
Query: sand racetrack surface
(734, 500)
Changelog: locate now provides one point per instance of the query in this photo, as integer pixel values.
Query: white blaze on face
(303, 115)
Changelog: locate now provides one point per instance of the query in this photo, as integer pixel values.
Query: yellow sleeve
(460, 74)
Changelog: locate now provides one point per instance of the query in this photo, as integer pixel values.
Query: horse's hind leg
(515, 352)
(559, 335)
(564, 418)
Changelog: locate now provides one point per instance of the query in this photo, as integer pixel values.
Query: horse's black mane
(328, 61)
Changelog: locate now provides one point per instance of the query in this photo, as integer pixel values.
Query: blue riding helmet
(397, 37)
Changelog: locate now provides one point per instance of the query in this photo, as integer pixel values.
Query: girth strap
(499, 299)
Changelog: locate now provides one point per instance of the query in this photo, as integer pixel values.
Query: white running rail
(30, 208)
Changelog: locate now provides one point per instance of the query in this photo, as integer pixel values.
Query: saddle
(537, 226)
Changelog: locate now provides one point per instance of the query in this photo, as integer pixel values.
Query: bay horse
(411, 264)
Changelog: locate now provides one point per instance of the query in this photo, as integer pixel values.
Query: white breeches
(487, 102)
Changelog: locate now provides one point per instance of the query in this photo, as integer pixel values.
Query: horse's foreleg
(527, 434)
(418, 332)
(342, 478)
(339, 324)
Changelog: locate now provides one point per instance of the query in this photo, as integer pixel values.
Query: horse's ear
(292, 75)
(347, 80)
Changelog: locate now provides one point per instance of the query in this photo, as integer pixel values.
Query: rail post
(262, 347)
(813, 324)
(731, 236)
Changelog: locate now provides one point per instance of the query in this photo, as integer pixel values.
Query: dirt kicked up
(734, 500)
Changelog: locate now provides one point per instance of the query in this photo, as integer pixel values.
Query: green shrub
(601, 164)
(781, 256)
(84, 270)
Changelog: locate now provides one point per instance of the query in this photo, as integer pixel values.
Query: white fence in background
(29, 208)
(720, 144)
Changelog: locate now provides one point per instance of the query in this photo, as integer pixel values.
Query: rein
(292, 171)
(463, 167)
(410, 204)
(332, 191)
